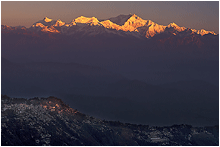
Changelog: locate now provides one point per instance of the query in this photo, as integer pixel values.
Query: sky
(190, 14)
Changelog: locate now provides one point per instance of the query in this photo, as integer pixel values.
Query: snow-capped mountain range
(122, 25)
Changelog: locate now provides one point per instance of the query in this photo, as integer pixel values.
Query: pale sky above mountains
(195, 15)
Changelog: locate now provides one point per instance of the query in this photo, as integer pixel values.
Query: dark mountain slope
(48, 121)
(142, 59)
(121, 19)
(47, 77)
(200, 86)
(96, 91)
(134, 101)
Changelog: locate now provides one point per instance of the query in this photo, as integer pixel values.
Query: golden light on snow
(203, 32)
(83, 19)
(59, 23)
(146, 28)
(46, 19)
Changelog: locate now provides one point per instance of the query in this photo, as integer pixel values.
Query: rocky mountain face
(49, 121)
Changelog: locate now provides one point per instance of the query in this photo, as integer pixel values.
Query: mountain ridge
(125, 23)
(49, 121)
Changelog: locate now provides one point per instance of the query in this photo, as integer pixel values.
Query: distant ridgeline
(48, 121)
(123, 26)
(132, 24)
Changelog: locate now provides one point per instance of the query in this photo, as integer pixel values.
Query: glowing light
(46, 19)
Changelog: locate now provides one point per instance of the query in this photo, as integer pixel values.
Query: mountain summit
(120, 20)
(46, 19)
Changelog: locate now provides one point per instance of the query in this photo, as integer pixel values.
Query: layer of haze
(195, 15)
